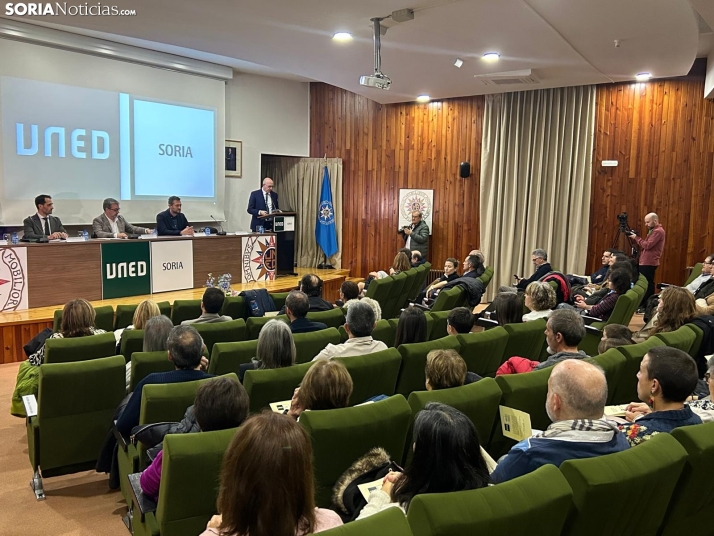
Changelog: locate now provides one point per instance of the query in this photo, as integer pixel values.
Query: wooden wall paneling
(662, 133)
(14, 336)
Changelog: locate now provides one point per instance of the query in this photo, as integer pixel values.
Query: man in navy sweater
(172, 222)
(577, 393)
(542, 266)
(184, 349)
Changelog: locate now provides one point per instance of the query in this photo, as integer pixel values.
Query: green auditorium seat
(125, 313)
(372, 374)
(75, 405)
(279, 299)
(132, 340)
(525, 340)
(332, 319)
(104, 318)
(255, 323)
(698, 338)
(390, 521)
(447, 299)
(159, 403)
(438, 328)
(696, 272)
(384, 330)
(411, 375)
(229, 356)
(273, 385)
(417, 282)
(692, 505)
(483, 351)
(235, 307)
(682, 339)
(645, 476)
(379, 290)
(80, 348)
(231, 331)
(308, 345)
(613, 363)
(409, 284)
(626, 388)
(487, 276)
(145, 363)
(478, 401)
(625, 307)
(393, 304)
(394, 322)
(536, 503)
(526, 392)
(190, 462)
(185, 310)
(355, 430)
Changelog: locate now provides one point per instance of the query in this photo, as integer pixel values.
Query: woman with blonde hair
(401, 263)
(267, 483)
(145, 310)
(78, 318)
(540, 299)
(327, 385)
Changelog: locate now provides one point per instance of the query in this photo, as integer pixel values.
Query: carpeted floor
(76, 505)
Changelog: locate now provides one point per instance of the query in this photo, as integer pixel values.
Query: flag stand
(325, 265)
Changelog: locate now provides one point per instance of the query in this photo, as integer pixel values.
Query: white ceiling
(564, 42)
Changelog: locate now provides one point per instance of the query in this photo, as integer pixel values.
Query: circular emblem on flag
(13, 281)
(415, 200)
(260, 259)
(327, 213)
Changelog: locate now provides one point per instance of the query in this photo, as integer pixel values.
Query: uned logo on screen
(77, 141)
(126, 269)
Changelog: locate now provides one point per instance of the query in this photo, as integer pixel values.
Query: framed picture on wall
(234, 158)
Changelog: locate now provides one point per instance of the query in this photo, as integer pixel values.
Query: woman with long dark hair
(411, 327)
(447, 457)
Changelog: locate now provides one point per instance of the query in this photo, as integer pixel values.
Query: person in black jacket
(540, 261)
(172, 222)
(297, 305)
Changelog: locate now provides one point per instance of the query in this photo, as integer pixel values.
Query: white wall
(270, 116)
(709, 82)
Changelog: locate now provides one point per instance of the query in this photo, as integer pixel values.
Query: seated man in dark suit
(297, 306)
(172, 222)
(184, 349)
(110, 224)
(311, 285)
(43, 224)
(211, 305)
(540, 261)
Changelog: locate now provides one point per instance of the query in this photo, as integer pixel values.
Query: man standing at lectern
(261, 203)
(44, 224)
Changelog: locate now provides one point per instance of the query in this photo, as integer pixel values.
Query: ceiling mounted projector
(378, 79)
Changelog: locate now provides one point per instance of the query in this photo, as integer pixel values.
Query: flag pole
(325, 265)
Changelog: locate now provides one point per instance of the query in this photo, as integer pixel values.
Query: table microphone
(220, 232)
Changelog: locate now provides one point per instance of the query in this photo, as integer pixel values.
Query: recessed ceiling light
(342, 36)
(643, 77)
(491, 56)
(458, 63)
(423, 98)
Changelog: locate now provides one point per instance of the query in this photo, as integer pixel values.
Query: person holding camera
(651, 249)
(416, 235)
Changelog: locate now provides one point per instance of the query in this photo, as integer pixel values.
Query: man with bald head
(651, 249)
(577, 393)
(261, 203)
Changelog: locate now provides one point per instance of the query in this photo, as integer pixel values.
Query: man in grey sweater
(563, 332)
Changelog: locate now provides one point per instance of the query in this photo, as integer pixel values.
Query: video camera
(624, 226)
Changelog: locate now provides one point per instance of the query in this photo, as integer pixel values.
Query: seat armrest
(664, 285)
(590, 319)
(486, 323)
(143, 502)
(121, 440)
(592, 330)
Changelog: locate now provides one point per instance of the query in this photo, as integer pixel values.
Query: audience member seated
(145, 310)
(451, 266)
(327, 385)
(297, 305)
(220, 403)
(401, 263)
(564, 331)
(507, 308)
(446, 369)
(577, 394)
(77, 321)
(540, 261)
(348, 291)
(540, 299)
(473, 267)
(614, 335)
(447, 457)
(267, 483)
(676, 307)
(156, 333)
(276, 348)
(479, 254)
(667, 377)
(411, 327)
(599, 276)
(704, 407)
(311, 285)
(359, 324)
(618, 283)
(703, 284)
(459, 321)
(417, 259)
(211, 304)
(598, 290)
(184, 350)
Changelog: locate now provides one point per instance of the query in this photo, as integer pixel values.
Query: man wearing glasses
(703, 285)
(111, 225)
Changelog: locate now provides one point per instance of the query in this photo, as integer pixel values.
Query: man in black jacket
(540, 261)
(297, 305)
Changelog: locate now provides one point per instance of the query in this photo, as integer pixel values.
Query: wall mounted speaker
(464, 170)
